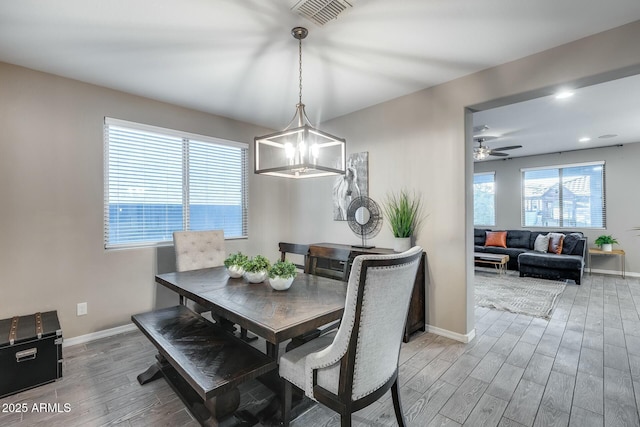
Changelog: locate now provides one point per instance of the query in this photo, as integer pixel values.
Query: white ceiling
(606, 113)
(236, 58)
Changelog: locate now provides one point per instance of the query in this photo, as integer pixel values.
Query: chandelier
(300, 150)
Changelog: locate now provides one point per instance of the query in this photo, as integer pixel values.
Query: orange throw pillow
(555, 242)
(496, 238)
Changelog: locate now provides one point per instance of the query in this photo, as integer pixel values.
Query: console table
(416, 319)
(614, 252)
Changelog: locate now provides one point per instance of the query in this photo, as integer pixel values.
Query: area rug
(525, 295)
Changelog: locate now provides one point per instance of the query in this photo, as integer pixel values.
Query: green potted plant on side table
(403, 212)
(256, 269)
(606, 242)
(281, 275)
(235, 264)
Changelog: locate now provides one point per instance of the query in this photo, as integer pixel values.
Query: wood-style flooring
(580, 368)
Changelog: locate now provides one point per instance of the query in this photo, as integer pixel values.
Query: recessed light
(564, 94)
(584, 139)
(607, 136)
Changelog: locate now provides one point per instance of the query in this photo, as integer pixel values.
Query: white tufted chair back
(199, 249)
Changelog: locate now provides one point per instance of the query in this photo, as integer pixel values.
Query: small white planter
(401, 244)
(255, 277)
(607, 247)
(235, 271)
(280, 283)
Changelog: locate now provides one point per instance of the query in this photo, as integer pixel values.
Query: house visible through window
(568, 196)
(158, 181)
(484, 199)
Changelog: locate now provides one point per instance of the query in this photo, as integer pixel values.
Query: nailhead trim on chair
(344, 343)
(369, 352)
(355, 378)
(350, 309)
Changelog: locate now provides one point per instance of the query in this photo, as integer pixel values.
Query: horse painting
(350, 185)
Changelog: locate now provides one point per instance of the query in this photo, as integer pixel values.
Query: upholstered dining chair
(196, 250)
(354, 366)
(336, 260)
(297, 249)
(200, 249)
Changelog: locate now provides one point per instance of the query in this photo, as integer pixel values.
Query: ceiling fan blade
(511, 147)
(494, 153)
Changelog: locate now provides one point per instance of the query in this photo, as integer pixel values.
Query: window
(158, 181)
(568, 196)
(484, 199)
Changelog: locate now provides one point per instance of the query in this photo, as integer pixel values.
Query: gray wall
(622, 172)
(51, 198)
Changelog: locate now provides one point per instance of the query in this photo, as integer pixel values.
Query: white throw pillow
(542, 243)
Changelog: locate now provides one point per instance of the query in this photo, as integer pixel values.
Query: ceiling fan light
(481, 153)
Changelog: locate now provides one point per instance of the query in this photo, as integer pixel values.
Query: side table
(615, 252)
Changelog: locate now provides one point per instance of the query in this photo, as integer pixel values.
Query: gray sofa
(520, 243)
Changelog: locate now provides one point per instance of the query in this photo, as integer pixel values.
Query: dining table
(276, 316)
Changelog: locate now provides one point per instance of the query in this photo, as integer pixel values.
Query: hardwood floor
(580, 368)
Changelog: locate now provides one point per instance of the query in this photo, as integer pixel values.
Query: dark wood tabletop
(276, 316)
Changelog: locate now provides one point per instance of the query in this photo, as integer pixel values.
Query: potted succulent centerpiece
(281, 275)
(606, 242)
(235, 264)
(256, 269)
(403, 212)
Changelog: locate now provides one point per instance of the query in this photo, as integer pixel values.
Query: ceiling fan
(481, 152)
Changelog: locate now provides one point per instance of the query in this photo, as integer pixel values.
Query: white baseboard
(81, 339)
(612, 273)
(453, 335)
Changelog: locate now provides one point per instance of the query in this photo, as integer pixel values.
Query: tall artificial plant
(403, 211)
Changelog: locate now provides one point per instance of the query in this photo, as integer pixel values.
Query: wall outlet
(82, 309)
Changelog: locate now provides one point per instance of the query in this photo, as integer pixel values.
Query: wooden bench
(202, 363)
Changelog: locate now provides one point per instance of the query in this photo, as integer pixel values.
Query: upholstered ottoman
(551, 266)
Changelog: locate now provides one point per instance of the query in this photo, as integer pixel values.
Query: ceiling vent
(321, 11)
(479, 129)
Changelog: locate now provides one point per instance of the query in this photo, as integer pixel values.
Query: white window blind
(158, 181)
(566, 196)
(484, 199)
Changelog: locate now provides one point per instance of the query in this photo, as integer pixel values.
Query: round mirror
(364, 218)
(362, 215)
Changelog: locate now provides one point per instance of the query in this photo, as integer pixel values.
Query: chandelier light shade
(481, 153)
(300, 150)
